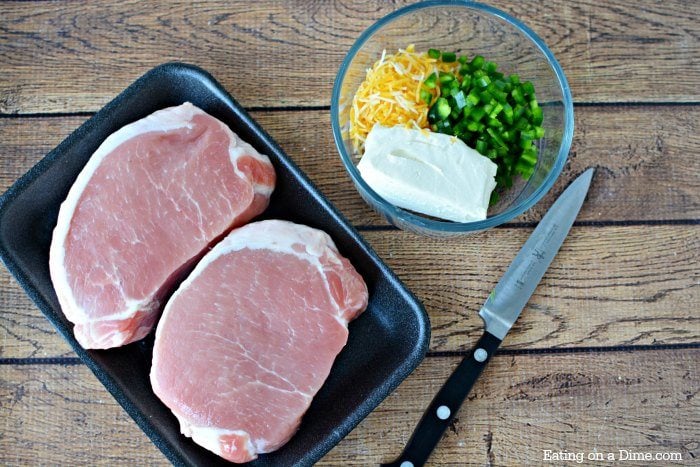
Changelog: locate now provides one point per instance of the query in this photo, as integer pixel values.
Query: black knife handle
(447, 401)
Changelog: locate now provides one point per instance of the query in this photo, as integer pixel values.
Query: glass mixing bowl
(467, 28)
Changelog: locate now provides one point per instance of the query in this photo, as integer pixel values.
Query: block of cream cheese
(426, 172)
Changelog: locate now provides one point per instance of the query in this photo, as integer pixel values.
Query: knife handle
(447, 401)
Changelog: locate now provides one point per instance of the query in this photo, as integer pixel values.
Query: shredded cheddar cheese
(390, 93)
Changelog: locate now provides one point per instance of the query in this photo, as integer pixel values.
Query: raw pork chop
(148, 203)
(250, 336)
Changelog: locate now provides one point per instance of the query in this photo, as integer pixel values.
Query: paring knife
(499, 313)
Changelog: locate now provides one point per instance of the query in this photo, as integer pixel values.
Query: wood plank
(646, 170)
(522, 405)
(653, 168)
(67, 56)
(52, 414)
(24, 331)
(643, 155)
(607, 286)
(634, 285)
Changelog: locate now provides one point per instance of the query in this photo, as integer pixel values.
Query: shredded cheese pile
(390, 93)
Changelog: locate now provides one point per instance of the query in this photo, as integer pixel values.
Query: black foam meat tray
(385, 343)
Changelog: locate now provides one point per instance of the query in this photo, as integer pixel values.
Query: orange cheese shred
(390, 93)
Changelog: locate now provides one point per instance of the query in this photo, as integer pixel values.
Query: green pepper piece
(518, 112)
(498, 84)
(482, 81)
(537, 116)
(477, 62)
(432, 114)
(498, 108)
(525, 144)
(476, 127)
(527, 135)
(486, 96)
(529, 156)
(461, 128)
(446, 77)
(444, 126)
(425, 96)
(430, 81)
(449, 57)
(477, 114)
(517, 94)
(494, 122)
(499, 95)
(460, 100)
(495, 137)
(508, 113)
(473, 97)
(443, 108)
(521, 124)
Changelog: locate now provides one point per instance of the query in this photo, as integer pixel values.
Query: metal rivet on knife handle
(480, 355)
(443, 412)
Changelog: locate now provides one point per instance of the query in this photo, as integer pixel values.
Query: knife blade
(499, 313)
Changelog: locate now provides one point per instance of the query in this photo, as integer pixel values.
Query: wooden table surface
(606, 357)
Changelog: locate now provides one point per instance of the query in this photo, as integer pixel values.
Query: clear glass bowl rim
(447, 226)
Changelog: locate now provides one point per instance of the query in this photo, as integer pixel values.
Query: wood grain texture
(606, 287)
(646, 170)
(521, 405)
(644, 156)
(628, 274)
(62, 415)
(68, 56)
(639, 288)
(635, 285)
(24, 331)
